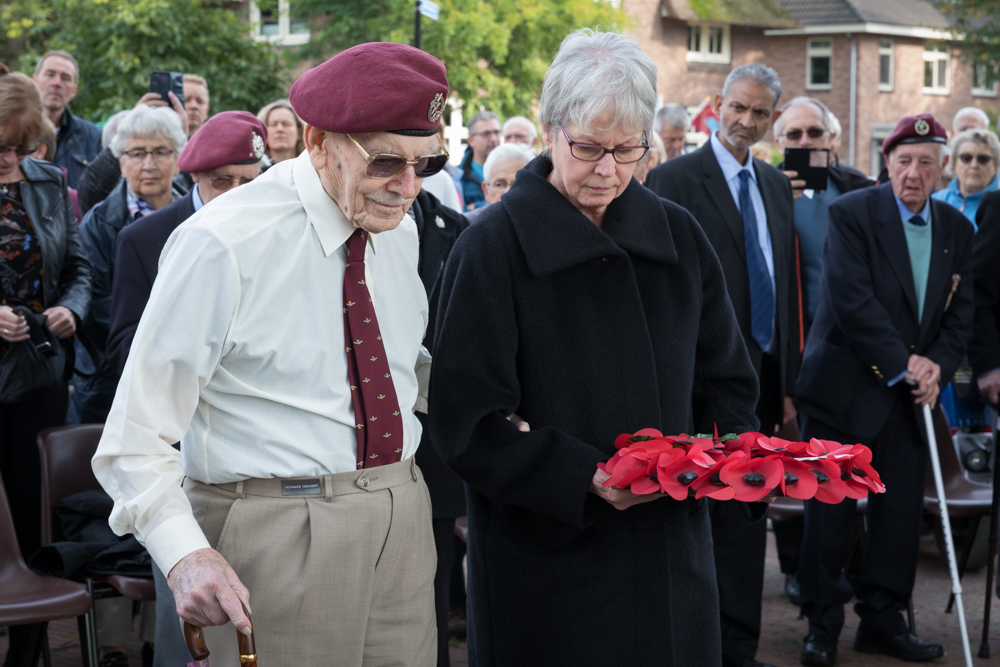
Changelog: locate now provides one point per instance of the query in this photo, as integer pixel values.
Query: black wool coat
(984, 346)
(587, 333)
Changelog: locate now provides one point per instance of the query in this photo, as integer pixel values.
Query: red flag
(705, 120)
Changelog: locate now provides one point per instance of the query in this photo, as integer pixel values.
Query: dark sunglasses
(982, 158)
(813, 132)
(20, 152)
(387, 165)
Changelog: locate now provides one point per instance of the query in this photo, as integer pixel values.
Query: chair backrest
(65, 453)
(12, 564)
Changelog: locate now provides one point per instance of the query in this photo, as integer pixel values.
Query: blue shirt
(731, 171)
(811, 223)
(967, 205)
(196, 198)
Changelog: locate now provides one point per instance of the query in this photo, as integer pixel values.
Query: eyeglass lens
(384, 166)
(18, 151)
(813, 132)
(981, 158)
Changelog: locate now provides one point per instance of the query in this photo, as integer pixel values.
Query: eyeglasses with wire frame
(594, 153)
(387, 165)
(19, 151)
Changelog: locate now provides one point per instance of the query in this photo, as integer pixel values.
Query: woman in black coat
(589, 307)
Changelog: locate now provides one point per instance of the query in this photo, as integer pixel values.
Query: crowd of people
(315, 343)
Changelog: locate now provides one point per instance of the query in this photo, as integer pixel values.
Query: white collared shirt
(240, 354)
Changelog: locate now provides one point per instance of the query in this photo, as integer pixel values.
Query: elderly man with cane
(282, 344)
(895, 308)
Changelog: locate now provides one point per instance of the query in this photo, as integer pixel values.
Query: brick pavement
(783, 630)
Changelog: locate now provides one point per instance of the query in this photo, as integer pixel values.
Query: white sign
(430, 9)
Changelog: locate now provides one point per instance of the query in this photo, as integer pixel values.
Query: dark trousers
(890, 557)
(21, 470)
(444, 540)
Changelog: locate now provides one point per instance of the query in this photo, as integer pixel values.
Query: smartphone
(164, 82)
(812, 165)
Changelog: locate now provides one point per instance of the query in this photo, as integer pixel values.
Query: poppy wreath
(746, 467)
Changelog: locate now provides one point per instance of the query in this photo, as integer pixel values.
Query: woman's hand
(60, 321)
(620, 499)
(13, 326)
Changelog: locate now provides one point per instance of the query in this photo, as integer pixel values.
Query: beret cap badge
(435, 108)
(258, 145)
(921, 127)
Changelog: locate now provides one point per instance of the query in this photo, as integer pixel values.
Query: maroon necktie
(378, 422)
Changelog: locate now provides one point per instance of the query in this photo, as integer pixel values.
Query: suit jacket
(984, 347)
(695, 181)
(866, 323)
(137, 257)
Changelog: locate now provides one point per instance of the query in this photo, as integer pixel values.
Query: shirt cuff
(896, 379)
(173, 539)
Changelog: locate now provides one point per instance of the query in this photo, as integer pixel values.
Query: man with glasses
(484, 136)
(745, 207)
(500, 171)
(282, 345)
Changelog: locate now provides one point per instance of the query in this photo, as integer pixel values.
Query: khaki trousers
(341, 576)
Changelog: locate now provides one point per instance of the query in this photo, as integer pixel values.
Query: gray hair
(800, 101)
(597, 72)
(761, 74)
(145, 121)
(532, 130)
(834, 123)
(479, 118)
(505, 152)
(671, 115)
(971, 111)
(982, 137)
(60, 54)
(111, 127)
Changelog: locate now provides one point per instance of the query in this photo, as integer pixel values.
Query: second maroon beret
(228, 137)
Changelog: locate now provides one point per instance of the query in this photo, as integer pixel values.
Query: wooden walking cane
(195, 639)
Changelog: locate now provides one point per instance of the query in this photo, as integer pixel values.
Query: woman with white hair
(589, 307)
(975, 155)
(146, 144)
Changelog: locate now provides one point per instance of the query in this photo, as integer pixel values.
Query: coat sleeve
(474, 387)
(793, 351)
(984, 348)
(75, 273)
(952, 339)
(856, 308)
(129, 293)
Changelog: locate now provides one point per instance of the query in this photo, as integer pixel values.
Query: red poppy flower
(675, 476)
(817, 447)
(627, 469)
(709, 484)
(752, 478)
(767, 445)
(860, 470)
(797, 481)
(831, 489)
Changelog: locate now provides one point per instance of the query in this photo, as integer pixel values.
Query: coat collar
(555, 235)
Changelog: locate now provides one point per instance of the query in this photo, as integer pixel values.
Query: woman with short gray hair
(974, 157)
(147, 144)
(589, 307)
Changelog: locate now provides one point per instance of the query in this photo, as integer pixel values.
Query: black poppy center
(688, 477)
(820, 476)
(754, 478)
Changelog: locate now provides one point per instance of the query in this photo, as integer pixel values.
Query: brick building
(870, 62)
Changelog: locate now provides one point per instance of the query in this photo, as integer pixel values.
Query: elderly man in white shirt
(282, 346)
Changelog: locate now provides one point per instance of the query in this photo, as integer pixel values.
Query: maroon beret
(920, 129)
(229, 137)
(374, 87)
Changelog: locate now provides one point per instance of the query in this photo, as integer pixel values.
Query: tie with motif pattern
(378, 422)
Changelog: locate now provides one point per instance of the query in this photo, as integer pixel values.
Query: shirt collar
(196, 198)
(730, 166)
(330, 223)
(905, 213)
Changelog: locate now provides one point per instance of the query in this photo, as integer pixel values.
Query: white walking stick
(956, 585)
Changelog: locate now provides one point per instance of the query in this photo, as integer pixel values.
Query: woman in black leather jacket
(44, 267)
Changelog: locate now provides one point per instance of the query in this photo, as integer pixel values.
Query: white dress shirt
(240, 355)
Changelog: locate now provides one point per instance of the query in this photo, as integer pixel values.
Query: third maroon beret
(374, 87)
(915, 130)
(229, 137)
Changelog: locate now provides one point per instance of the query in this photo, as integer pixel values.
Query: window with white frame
(708, 43)
(273, 22)
(819, 62)
(886, 64)
(984, 80)
(937, 66)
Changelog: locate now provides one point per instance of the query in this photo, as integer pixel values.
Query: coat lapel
(892, 239)
(717, 192)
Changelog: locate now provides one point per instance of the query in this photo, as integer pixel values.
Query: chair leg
(910, 619)
(46, 652)
(963, 558)
(88, 632)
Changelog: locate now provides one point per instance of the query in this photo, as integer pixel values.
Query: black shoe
(905, 646)
(818, 653)
(792, 589)
(114, 659)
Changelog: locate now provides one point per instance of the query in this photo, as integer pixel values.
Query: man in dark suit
(745, 207)
(895, 310)
(225, 152)
(984, 348)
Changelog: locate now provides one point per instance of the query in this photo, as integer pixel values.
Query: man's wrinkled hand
(620, 499)
(989, 385)
(208, 592)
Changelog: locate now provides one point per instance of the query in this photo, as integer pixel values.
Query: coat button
(363, 482)
(605, 259)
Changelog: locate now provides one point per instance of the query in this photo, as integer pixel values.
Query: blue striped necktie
(761, 289)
